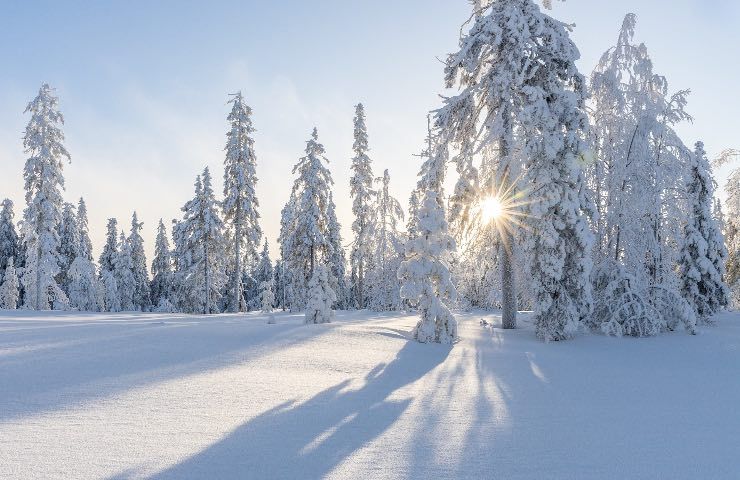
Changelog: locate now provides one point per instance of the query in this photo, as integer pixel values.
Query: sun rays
(503, 206)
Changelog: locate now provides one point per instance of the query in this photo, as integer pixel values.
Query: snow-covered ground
(174, 396)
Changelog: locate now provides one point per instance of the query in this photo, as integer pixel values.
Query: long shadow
(85, 361)
(310, 439)
(595, 395)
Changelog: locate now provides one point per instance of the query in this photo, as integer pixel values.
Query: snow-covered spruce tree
(262, 272)
(44, 182)
(70, 242)
(9, 242)
(267, 295)
(202, 238)
(111, 298)
(388, 244)
(321, 297)
(84, 289)
(425, 274)
(106, 264)
(305, 235)
(226, 295)
(553, 125)
(142, 295)
(279, 284)
(363, 201)
(337, 259)
(108, 255)
(162, 281)
(83, 227)
(411, 230)
(285, 284)
(240, 200)
(123, 270)
(703, 254)
(251, 287)
(181, 262)
(9, 294)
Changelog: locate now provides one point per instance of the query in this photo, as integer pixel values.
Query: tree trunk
(38, 262)
(360, 281)
(508, 288)
(310, 271)
(207, 307)
(236, 299)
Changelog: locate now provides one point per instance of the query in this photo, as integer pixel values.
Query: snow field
(229, 396)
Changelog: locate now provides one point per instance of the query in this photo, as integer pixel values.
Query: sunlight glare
(491, 209)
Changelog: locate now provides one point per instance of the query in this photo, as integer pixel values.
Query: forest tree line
(606, 220)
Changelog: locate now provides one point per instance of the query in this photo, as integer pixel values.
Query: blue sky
(144, 85)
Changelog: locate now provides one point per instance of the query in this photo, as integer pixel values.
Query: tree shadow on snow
(310, 439)
(86, 361)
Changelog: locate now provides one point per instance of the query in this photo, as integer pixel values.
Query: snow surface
(175, 396)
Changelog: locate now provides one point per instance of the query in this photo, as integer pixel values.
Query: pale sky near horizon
(144, 85)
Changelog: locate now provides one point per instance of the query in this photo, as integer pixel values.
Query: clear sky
(144, 86)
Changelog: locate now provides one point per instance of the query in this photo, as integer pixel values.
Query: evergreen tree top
(43, 135)
(136, 225)
(7, 214)
(360, 145)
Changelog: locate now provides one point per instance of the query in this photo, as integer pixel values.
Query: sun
(491, 209)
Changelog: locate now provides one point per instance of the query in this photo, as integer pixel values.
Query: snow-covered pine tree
(201, 234)
(425, 274)
(388, 244)
(363, 201)
(85, 250)
(321, 297)
(521, 90)
(108, 255)
(9, 293)
(488, 68)
(142, 295)
(44, 182)
(240, 200)
(703, 254)
(162, 275)
(306, 236)
(70, 242)
(9, 242)
(123, 270)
